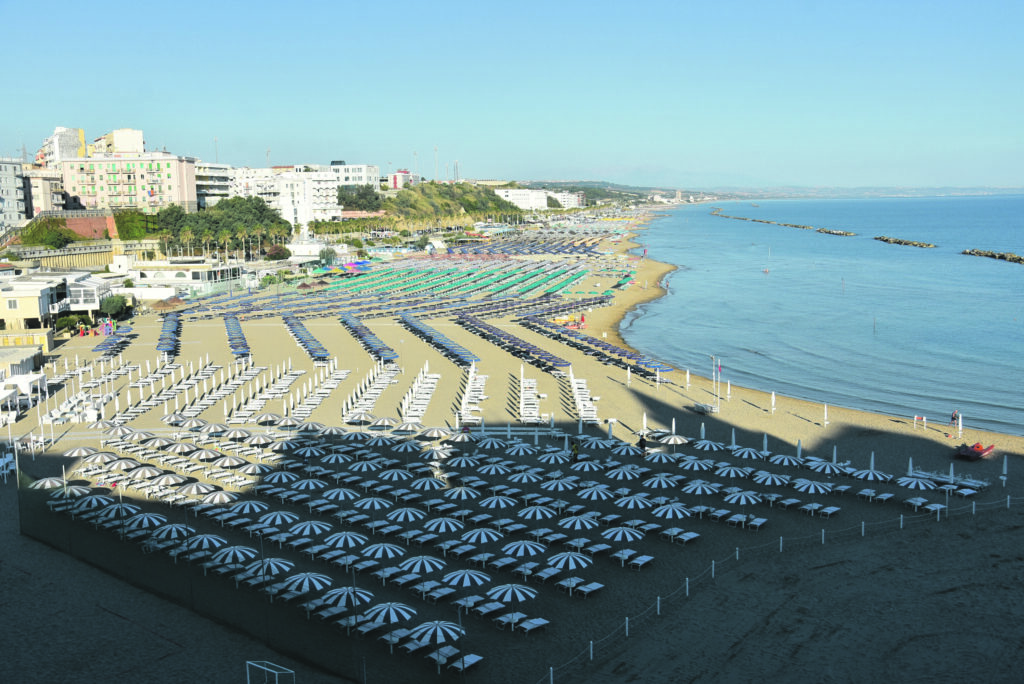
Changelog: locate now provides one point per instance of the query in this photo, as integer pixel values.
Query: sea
(847, 320)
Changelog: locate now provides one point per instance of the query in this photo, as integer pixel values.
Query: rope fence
(628, 627)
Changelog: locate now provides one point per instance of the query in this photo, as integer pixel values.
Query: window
(12, 303)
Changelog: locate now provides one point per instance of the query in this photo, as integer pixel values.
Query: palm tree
(187, 236)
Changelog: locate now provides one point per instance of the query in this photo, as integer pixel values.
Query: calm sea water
(848, 321)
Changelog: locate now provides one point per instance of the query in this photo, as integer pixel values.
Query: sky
(678, 94)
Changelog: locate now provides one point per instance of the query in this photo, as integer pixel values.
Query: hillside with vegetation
(435, 200)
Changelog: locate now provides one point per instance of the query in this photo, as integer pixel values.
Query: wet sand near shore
(925, 602)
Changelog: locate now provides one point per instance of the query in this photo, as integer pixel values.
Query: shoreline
(623, 307)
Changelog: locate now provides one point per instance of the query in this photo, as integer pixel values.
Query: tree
(327, 256)
(278, 252)
(553, 203)
(114, 305)
(128, 282)
(361, 198)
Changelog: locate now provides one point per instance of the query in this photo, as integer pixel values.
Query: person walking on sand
(954, 417)
(642, 443)
(575, 452)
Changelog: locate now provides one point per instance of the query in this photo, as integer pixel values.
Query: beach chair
(828, 511)
(546, 574)
(532, 624)
(640, 561)
(443, 654)
(757, 523)
(586, 590)
(464, 662)
(488, 608)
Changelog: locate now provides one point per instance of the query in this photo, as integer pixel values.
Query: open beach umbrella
(48, 483)
(406, 514)
(763, 477)
(310, 528)
(911, 482)
(437, 632)
(92, 502)
(145, 521)
(310, 426)
(310, 452)
(489, 469)
(373, 503)
(786, 460)
(219, 498)
(701, 487)
(570, 560)
(407, 428)
(460, 438)
(123, 464)
(523, 547)
(173, 531)
(661, 481)
(237, 434)
(383, 550)
(481, 535)
(389, 612)
(578, 522)
(742, 499)
(491, 443)
(119, 510)
(598, 492)
(525, 477)
(422, 564)
(536, 512)
(732, 471)
(395, 474)
(380, 441)
(346, 597)
(627, 450)
(260, 440)
(871, 474)
(587, 466)
(747, 452)
(169, 480)
(622, 534)
(340, 494)
(436, 433)
(672, 510)
(206, 542)
(462, 493)
(279, 518)
(360, 418)
(406, 447)
(466, 578)
(100, 457)
(145, 472)
(249, 507)
(282, 477)
(811, 487)
(234, 555)
(70, 492)
(511, 593)
(196, 489)
(270, 566)
(335, 458)
(696, 464)
(255, 469)
(208, 455)
(658, 456)
(345, 540)
(305, 582)
(427, 483)
(497, 501)
(560, 484)
(230, 461)
(80, 452)
(521, 450)
(555, 457)
(443, 525)
(624, 472)
(366, 466)
(308, 484)
(634, 501)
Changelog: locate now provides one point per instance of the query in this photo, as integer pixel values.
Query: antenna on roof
(268, 156)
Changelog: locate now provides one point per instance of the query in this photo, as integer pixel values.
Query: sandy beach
(874, 588)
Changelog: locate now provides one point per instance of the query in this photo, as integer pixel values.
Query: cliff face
(93, 227)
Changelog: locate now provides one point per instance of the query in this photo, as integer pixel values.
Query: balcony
(60, 307)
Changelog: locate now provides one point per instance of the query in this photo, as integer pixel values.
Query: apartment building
(12, 195)
(213, 183)
(65, 143)
(303, 193)
(44, 190)
(147, 182)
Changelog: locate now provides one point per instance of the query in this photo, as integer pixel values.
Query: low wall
(282, 626)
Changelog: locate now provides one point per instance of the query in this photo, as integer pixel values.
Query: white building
(12, 196)
(570, 200)
(120, 141)
(65, 143)
(213, 183)
(524, 198)
(402, 178)
(45, 190)
(147, 182)
(302, 193)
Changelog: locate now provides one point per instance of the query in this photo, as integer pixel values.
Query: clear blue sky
(678, 94)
